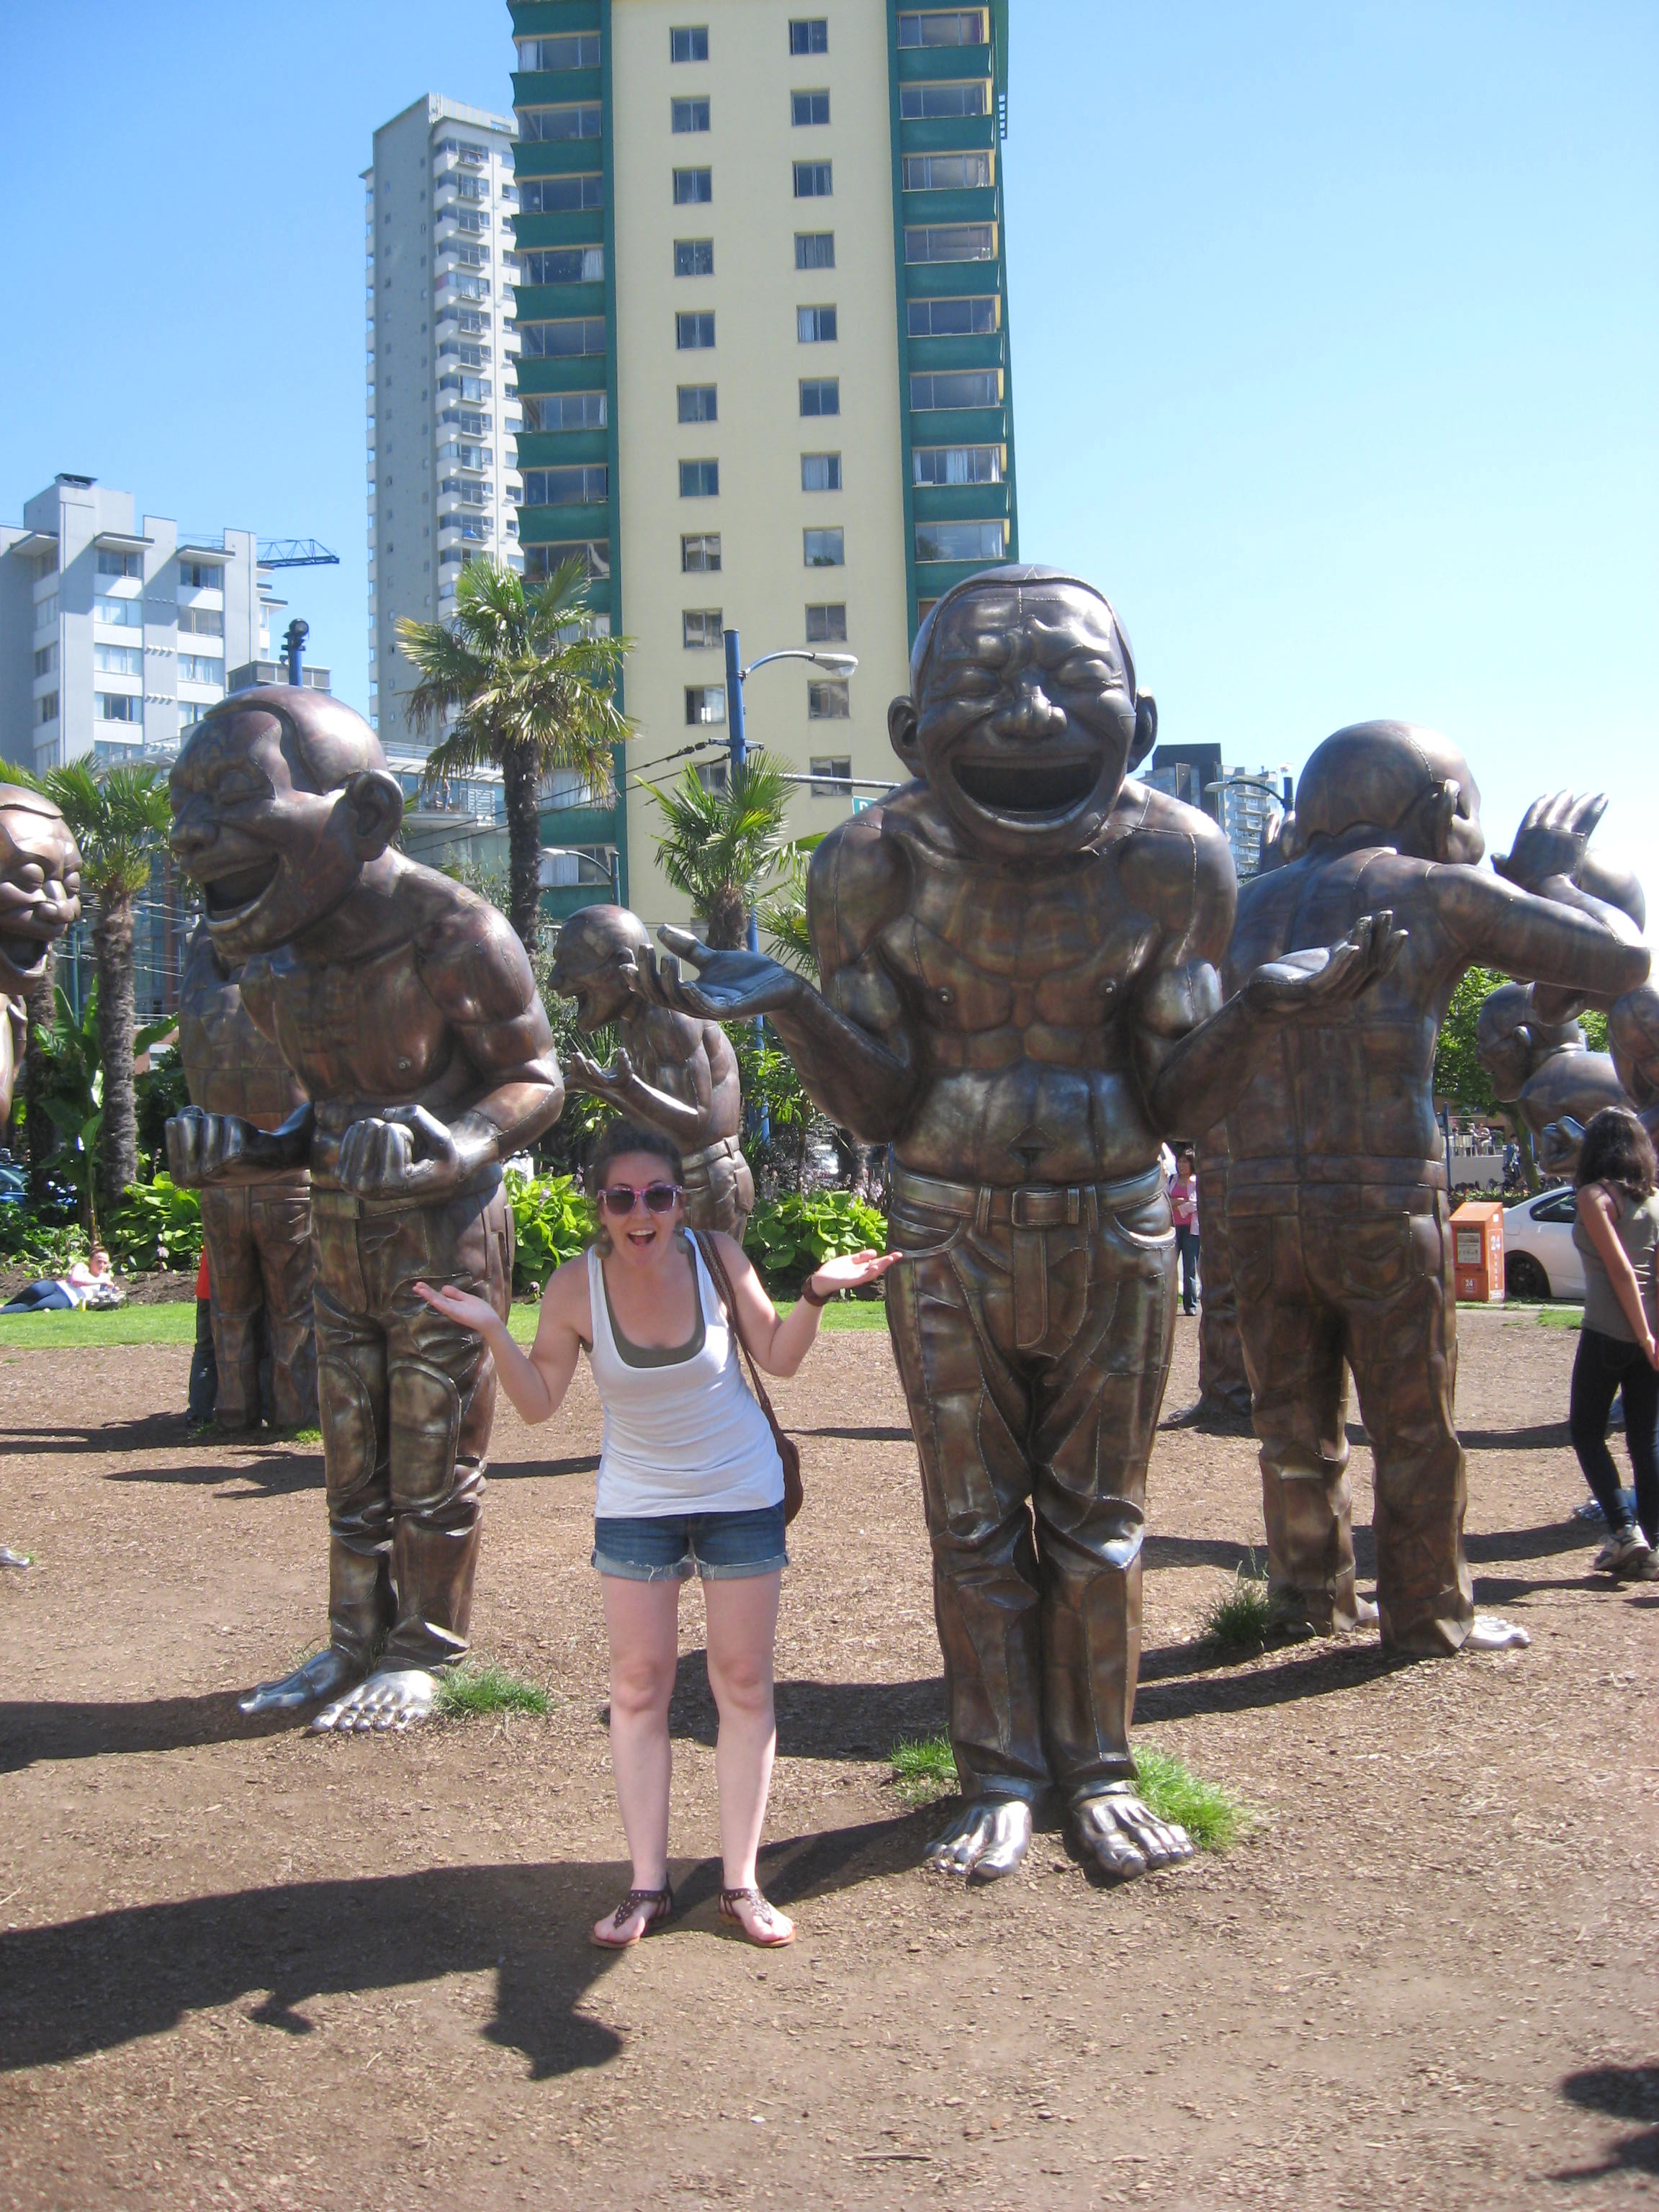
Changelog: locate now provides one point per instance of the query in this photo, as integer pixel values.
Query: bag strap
(728, 1298)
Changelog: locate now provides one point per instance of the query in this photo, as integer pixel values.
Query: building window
(705, 702)
(565, 265)
(820, 471)
(46, 660)
(951, 241)
(825, 548)
(584, 484)
(45, 610)
(958, 387)
(594, 553)
(561, 122)
(821, 395)
(712, 775)
(815, 249)
(957, 464)
(574, 49)
(197, 668)
(692, 332)
(700, 479)
(927, 102)
(471, 257)
(814, 325)
(694, 257)
(547, 342)
(688, 114)
(953, 319)
(119, 614)
(828, 700)
(563, 411)
(946, 173)
(117, 707)
(702, 630)
(693, 187)
(813, 180)
(809, 107)
(699, 556)
(809, 35)
(832, 776)
(689, 46)
(120, 564)
(826, 625)
(950, 26)
(560, 195)
(45, 707)
(466, 455)
(698, 402)
(961, 540)
(110, 660)
(199, 622)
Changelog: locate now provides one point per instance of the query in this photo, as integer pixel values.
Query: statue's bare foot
(396, 1697)
(1488, 1633)
(324, 1675)
(10, 1558)
(1117, 1838)
(988, 1838)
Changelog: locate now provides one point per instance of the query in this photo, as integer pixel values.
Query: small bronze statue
(258, 1233)
(1543, 1069)
(405, 1008)
(1337, 1206)
(39, 897)
(672, 1071)
(1017, 953)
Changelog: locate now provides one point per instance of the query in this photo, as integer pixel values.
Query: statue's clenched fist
(204, 1148)
(406, 1153)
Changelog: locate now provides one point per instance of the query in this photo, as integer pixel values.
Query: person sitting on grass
(690, 1482)
(88, 1283)
(1617, 1234)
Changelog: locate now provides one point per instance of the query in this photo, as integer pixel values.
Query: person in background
(1183, 1210)
(689, 1482)
(1617, 1235)
(89, 1282)
(203, 1360)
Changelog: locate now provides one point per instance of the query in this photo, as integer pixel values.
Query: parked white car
(1540, 1258)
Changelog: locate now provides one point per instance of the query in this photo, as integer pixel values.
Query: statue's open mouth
(24, 951)
(228, 896)
(1028, 790)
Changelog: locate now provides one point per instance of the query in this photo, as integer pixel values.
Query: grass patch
(1560, 1317)
(1237, 1621)
(174, 1323)
(477, 1687)
(294, 1437)
(1209, 1814)
(924, 1768)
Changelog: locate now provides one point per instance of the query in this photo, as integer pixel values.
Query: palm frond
(118, 816)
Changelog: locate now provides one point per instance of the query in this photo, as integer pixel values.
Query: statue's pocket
(923, 1234)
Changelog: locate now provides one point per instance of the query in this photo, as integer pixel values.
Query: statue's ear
(376, 800)
(902, 729)
(1290, 846)
(1146, 735)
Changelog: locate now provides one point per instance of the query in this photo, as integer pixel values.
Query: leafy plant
(924, 1768)
(719, 847)
(70, 1091)
(552, 1222)
(1238, 1620)
(50, 1249)
(789, 1237)
(1459, 1078)
(155, 1224)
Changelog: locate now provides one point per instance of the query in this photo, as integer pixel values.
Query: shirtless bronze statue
(671, 1072)
(1337, 1206)
(1545, 1071)
(1017, 954)
(258, 1233)
(404, 1005)
(39, 897)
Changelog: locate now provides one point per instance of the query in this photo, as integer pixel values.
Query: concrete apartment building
(763, 364)
(438, 209)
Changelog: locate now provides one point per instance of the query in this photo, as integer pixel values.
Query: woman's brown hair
(1617, 1149)
(616, 1139)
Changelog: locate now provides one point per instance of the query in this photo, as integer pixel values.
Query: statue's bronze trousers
(1033, 1332)
(259, 1266)
(1329, 1273)
(1223, 1386)
(408, 1400)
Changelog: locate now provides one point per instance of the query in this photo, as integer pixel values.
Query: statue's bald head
(325, 742)
(594, 962)
(1395, 777)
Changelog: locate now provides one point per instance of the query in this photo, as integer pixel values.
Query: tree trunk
(728, 920)
(118, 1144)
(524, 844)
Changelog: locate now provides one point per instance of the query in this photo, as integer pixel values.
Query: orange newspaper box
(1477, 1230)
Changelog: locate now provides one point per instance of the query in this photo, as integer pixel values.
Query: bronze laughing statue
(1544, 1071)
(1018, 960)
(258, 1233)
(1337, 1191)
(39, 897)
(672, 1071)
(404, 1005)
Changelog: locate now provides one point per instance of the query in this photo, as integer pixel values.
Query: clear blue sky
(1334, 333)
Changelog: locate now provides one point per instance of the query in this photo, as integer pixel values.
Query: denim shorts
(670, 1548)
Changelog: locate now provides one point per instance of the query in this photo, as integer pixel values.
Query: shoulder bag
(788, 1450)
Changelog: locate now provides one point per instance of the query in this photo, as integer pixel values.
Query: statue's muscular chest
(362, 1030)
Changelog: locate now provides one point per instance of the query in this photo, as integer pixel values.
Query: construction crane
(296, 553)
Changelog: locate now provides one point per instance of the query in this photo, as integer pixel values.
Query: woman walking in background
(689, 1482)
(1183, 1212)
(1617, 1233)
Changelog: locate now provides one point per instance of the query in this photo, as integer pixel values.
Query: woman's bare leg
(642, 1622)
(743, 1621)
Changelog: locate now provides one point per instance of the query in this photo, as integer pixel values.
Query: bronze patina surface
(404, 1005)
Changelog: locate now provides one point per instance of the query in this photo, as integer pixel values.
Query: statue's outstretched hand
(1551, 840)
(1559, 1145)
(406, 1153)
(1306, 983)
(618, 1083)
(728, 986)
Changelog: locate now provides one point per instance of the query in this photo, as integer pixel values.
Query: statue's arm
(1558, 935)
(669, 1040)
(478, 978)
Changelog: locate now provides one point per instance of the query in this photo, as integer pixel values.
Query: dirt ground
(240, 1967)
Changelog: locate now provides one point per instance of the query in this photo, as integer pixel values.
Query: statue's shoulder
(468, 953)
(867, 852)
(1173, 860)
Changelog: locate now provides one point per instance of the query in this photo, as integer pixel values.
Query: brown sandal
(764, 1911)
(661, 1904)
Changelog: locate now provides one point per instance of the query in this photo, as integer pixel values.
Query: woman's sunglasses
(620, 1198)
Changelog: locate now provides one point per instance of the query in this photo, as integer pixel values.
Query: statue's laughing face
(1024, 717)
(594, 964)
(39, 885)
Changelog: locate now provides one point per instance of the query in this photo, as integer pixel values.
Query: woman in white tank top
(690, 1483)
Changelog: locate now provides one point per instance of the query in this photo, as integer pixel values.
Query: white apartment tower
(439, 205)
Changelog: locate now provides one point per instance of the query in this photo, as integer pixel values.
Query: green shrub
(1238, 1619)
(156, 1225)
(787, 1237)
(551, 1222)
(51, 1248)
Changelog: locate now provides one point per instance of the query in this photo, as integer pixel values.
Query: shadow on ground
(1624, 2093)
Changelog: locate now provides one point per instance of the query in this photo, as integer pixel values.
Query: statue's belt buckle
(1044, 1206)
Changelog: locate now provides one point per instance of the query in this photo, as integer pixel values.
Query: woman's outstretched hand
(458, 1306)
(854, 1272)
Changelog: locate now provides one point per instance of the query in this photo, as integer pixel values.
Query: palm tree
(120, 817)
(720, 845)
(534, 686)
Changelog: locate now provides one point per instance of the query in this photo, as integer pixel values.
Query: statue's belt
(1025, 1205)
(723, 1148)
